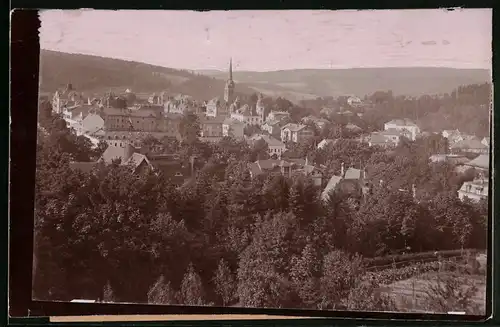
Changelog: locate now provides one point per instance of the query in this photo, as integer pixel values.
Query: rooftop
(482, 161)
(469, 144)
(294, 127)
(402, 122)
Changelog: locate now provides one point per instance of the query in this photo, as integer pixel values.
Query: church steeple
(231, 69)
(229, 89)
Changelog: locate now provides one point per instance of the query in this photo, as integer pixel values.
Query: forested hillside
(413, 81)
(94, 74)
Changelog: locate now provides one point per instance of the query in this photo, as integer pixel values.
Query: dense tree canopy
(225, 238)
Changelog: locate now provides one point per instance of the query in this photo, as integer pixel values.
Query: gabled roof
(212, 120)
(378, 138)
(469, 144)
(393, 132)
(353, 127)
(402, 122)
(232, 121)
(332, 184)
(482, 161)
(254, 168)
(294, 127)
(326, 142)
(271, 141)
(352, 173)
(116, 152)
(136, 159)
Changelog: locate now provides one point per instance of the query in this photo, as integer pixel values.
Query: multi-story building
(247, 115)
(278, 116)
(475, 190)
(67, 97)
(403, 125)
(275, 147)
(296, 133)
(211, 128)
(233, 128)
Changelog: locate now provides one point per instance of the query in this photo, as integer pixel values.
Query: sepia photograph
(334, 160)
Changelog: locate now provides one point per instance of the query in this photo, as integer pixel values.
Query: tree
(341, 272)
(259, 150)
(305, 272)
(192, 292)
(225, 284)
(108, 295)
(161, 292)
(263, 265)
(189, 128)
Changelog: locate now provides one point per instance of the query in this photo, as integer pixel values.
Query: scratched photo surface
(331, 160)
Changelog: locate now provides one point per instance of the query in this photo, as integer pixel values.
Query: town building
(486, 141)
(275, 147)
(296, 133)
(354, 101)
(481, 163)
(92, 123)
(217, 107)
(388, 138)
(320, 123)
(452, 135)
(233, 128)
(470, 145)
(273, 127)
(325, 143)
(68, 97)
(278, 116)
(350, 181)
(454, 159)
(211, 128)
(287, 168)
(403, 125)
(247, 115)
(353, 128)
(475, 190)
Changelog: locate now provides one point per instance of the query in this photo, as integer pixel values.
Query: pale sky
(276, 40)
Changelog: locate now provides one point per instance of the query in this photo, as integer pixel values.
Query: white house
(275, 147)
(247, 116)
(326, 142)
(354, 101)
(92, 123)
(277, 115)
(403, 125)
(474, 190)
(296, 133)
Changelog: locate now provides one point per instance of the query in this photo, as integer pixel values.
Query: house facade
(475, 190)
(404, 125)
(296, 133)
(233, 128)
(275, 147)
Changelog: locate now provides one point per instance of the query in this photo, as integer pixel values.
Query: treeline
(227, 239)
(466, 108)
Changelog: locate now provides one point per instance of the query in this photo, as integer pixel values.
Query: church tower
(229, 89)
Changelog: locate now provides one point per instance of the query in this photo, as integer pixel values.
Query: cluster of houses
(123, 120)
